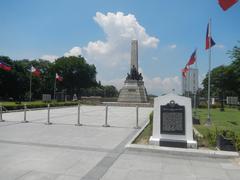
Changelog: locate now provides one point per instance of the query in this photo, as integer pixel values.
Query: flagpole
(55, 84)
(188, 84)
(195, 92)
(209, 77)
(30, 92)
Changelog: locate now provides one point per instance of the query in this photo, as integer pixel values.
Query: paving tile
(207, 172)
(36, 175)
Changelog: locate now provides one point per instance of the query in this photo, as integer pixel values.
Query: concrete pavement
(63, 151)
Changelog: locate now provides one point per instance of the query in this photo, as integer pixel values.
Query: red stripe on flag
(36, 72)
(184, 71)
(192, 59)
(5, 67)
(226, 4)
(59, 78)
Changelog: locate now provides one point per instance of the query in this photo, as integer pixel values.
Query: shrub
(204, 105)
(212, 136)
(237, 142)
(38, 105)
(232, 136)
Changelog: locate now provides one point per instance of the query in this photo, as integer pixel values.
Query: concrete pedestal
(133, 91)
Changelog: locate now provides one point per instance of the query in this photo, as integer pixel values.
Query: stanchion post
(1, 111)
(48, 117)
(106, 117)
(25, 114)
(137, 126)
(78, 117)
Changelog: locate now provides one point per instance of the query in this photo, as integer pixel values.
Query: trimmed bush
(39, 104)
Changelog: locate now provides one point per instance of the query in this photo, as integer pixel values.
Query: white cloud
(158, 85)
(119, 29)
(75, 51)
(172, 46)
(50, 58)
(118, 83)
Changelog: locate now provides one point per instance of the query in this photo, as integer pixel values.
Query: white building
(190, 82)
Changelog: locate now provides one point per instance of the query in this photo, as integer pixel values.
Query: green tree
(110, 91)
(234, 69)
(76, 74)
(226, 78)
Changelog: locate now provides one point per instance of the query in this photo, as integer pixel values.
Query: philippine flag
(5, 67)
(226, 4)
(184, 71)
(209, 41)
(59, 78)
(36, 72)
(193, 58)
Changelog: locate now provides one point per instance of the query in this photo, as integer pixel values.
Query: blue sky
(168, 32)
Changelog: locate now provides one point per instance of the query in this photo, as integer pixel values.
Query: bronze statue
(134, 74)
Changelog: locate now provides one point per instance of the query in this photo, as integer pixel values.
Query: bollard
(1, 111)
(48, 118)
(106, 117)
(78, 118)
(25, 114)
(137, 126)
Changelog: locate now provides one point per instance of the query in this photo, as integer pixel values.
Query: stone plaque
(172, 119)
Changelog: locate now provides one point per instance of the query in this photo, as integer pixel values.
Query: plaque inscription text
(172, 119)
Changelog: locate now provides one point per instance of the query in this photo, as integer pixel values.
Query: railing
(78, 117)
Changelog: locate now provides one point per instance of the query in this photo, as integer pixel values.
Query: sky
(168, 31)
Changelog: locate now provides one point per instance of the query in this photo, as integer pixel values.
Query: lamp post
(222, 92)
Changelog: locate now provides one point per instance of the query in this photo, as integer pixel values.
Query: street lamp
(222, 91)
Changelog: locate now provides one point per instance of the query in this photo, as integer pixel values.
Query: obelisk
(134, 54)
(133, 90)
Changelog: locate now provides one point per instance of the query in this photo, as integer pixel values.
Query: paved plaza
(63, 151)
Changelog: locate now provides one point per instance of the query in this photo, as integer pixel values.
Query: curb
(177, 151)
(137, 134)
(182, 152)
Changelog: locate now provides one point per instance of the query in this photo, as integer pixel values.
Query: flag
(193, 58)
(5, 67)
(59, 78)
(36, 72)
(184, 71)
(209, 40)
(226, 4)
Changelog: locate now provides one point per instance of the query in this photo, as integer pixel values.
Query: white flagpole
(55, 84)
(209, 76)
(195, 90)
(30, 91)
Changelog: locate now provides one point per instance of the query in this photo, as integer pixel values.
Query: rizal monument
(133, 90)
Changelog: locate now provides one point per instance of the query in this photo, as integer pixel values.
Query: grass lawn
(227, 120)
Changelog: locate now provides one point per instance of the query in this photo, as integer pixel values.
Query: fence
(78, 114)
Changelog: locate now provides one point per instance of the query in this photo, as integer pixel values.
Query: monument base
(173, 143)
(133, 91)
(169, 143)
